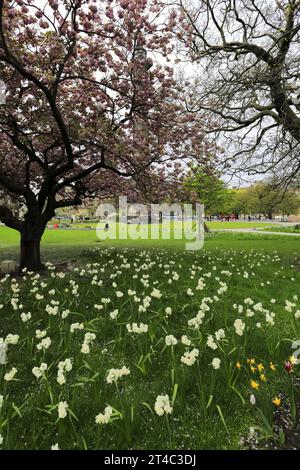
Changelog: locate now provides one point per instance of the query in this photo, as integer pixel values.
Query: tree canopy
(87, 111)
(247, 53)
(210, 190)
(262, 198)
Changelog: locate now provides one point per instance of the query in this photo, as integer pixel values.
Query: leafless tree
(249, 79)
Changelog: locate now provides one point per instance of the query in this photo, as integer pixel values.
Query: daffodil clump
(147, 349)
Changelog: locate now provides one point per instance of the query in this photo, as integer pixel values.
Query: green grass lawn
(293, 229)
(62, 243)
(239, 224)
(231, 311)
(212, 225)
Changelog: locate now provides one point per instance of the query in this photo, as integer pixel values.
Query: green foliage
(240, 201)
(263, 198)
(210, 190)
(260, 198)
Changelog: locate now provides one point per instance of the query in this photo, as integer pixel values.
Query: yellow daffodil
(272, 366)
(260, 367)
(254, 384)
(276, 401)
(253, 369)
(251, 361)
(238, 365)
(263, 377)
(292, 360)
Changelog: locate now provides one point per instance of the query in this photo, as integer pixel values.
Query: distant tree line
(261, 198)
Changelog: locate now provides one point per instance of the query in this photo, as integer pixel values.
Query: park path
(254, 230)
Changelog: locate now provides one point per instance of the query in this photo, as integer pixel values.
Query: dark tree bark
(30, 243)
(30, 255)
(30, 237)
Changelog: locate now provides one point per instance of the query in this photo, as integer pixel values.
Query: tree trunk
(30, 256)
(206, 228)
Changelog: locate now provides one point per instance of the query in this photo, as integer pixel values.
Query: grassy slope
(192, 428)
(204, 433)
